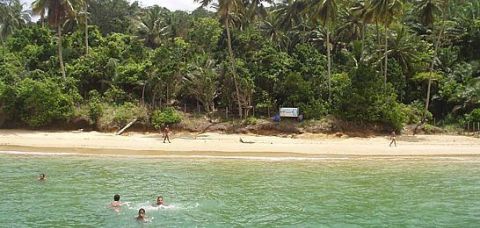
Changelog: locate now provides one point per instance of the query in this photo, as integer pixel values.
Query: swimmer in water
(42, 177)
(141, 215)
(160, 201)
(116, 203)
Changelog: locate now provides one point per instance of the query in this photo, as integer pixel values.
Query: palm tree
(405, 48)
(12, 17)
(84, 14)
(254, 10)
(269, 28)
(289, 19)
(289, 14)
(224, 11)
(350, 27)
(428, 10)
(58, 11)
(229, 12)
(325, 11)
(152, 25)
(201, 80)
(360, 10)
(177, 23)
(384, 11)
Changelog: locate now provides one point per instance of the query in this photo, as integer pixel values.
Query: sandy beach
(217, 144)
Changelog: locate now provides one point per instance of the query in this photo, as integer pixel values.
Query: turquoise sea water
(355, 192)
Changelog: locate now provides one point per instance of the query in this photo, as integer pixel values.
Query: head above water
(42, 175)
(141, 212)
(160, 200)
(116, 197)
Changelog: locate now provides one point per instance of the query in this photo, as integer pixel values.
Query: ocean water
(206, 192)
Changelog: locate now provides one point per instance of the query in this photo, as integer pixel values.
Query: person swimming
(116, 201)
(116, 204)
(160, 201)
(42, 177)
(141, 215)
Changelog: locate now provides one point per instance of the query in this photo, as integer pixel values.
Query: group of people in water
(116, 204)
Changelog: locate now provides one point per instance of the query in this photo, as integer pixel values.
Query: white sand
(229, 144)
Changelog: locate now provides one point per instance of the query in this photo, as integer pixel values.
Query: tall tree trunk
(60, 56)
(153, 99)
(86, 30)
(234, 72)
(379, 43)
(432, 65)
(386, 59)
(329, 66)
(42, 18)
(143, 92)
(363, 41)
(167, 101)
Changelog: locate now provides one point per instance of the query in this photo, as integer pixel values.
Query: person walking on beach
(393, 136)
(166, 131)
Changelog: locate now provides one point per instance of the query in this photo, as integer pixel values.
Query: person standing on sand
(166, 131)
(393, 136)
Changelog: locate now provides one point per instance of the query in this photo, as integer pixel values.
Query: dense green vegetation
(386, 62)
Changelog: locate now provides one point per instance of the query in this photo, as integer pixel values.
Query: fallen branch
(242, 141)
(126, 127)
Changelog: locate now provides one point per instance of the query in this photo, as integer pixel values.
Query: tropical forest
(378, 65)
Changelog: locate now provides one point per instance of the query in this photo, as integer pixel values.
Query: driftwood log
(126, 127)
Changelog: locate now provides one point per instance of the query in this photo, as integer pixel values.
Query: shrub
(473, 116)
(394, 115)
(414, 112)
(127, 112)
(116, 116)
(430, 129)
(314, 110)
(95, 108)
(167, 116)
(115, 95)
(41, 102)
(81, 111)
(365, 100)
(3, 89)
(251, 120)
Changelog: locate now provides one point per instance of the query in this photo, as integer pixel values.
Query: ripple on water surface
(226, 192)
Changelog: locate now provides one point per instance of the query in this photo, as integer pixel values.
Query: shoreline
(273, 156)
(186, 145)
